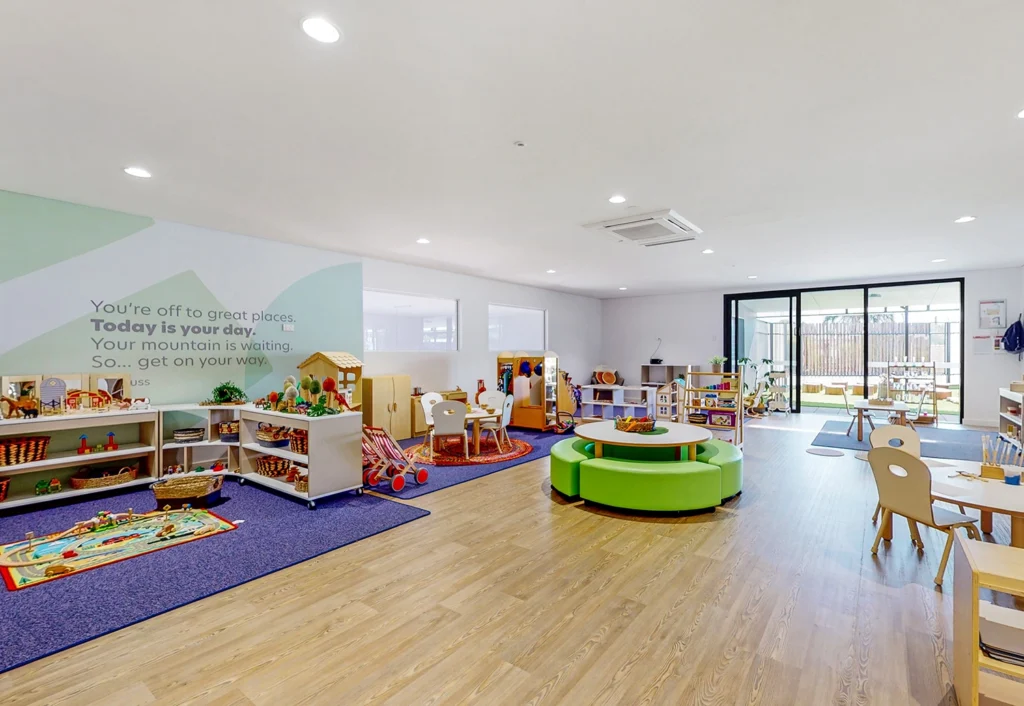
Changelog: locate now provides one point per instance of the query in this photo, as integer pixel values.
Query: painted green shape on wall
(67, 229)
(328, 316)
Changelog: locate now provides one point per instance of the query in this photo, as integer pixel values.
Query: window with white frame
(395, 322)
(516, 328)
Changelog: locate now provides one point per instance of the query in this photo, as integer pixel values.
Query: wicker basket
(189, 436)
(272, 466)
(697, 418)
(633, 425)
(302, 484)
(4, 484)
(299, 440)
(272, 437)
(23, 449)
(228, 432)
(199, 491)
(102, 477)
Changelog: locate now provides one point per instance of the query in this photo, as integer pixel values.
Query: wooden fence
(836, 348)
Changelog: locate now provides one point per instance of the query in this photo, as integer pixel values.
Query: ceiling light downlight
(551, 272)
(622, 289)
(321, 30)
(939, 259)
(751, 276)
(617, 198)
(1021, 115)
(964, 219)
(139, 172)
(423, 241)
(707, 251)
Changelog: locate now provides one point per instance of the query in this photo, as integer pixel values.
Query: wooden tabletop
(869, 404)
(677, 434)
(482, 414)
(989, 494)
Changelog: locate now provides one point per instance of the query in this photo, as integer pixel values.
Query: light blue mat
(959, 444)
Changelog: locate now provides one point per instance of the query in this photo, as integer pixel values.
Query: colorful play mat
(449, 452)
(103, 539)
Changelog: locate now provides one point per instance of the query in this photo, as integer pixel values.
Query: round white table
(677, 435)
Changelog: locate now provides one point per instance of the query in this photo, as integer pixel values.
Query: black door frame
(730, 301)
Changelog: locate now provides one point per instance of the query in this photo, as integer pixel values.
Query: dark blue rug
(959, 444)
(277, 533)
(446, 476)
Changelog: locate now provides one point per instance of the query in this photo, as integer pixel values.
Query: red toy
(83, 447)
(387, 460)
(111, 444)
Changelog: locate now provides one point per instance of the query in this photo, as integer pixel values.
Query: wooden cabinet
(419, 422)
(386, 404)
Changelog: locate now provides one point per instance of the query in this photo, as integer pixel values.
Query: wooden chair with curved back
(427, 401)
(905, 488)
(449, 420)
(907, 439)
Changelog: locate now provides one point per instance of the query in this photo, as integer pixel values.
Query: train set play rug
(101, 540)
(449, 452)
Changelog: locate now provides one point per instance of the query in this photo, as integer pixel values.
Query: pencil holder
(1012, 478)
(990, 470)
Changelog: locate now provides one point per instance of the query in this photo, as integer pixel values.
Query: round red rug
(448, 452)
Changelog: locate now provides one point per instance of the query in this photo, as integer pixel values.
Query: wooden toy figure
(30, 536)
(83, 447)
(42, 487)
(111, 444)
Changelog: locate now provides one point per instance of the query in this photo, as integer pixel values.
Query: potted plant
(752, 383)
(716, 363)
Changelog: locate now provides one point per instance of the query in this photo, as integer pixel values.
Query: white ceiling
(811, 140)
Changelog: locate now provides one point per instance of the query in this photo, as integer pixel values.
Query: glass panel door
(914, 346)
(763, 344)
(832, 350)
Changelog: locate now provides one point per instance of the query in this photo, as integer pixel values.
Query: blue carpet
(446, 476)
(959, 444)
(40, 620)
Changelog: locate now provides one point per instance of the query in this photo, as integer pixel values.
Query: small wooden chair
(909, 441)
(905, 488)
(427, 401)
(449, 420)
(499, 428)
(853, 415)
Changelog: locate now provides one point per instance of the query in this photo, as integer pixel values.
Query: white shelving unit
(137, 433)
(1011, 404)
(658, 375)
(610, 401)
(196, 453)
(334, 461)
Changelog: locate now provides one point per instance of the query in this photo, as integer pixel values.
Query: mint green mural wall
(178, 307)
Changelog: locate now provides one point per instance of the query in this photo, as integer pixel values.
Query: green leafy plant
(718, 359)
(226, 393)
(758, 373)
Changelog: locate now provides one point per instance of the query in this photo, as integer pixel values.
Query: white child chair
(906, 440)
(499, 428)
(449, 420)
(492, 399)
(427, 401)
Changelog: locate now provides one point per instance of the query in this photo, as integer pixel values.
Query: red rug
(448, 452)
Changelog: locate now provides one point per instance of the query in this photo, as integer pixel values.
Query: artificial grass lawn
(820, 399)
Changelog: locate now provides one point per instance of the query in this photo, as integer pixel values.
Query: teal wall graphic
(179, 308)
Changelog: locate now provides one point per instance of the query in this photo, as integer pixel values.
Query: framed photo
(992, 314)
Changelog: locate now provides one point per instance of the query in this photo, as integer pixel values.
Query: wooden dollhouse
(343, 367)
(539, 389)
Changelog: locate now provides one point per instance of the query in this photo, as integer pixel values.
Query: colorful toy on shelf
(104, 539)
(345, 369)
(42, 487)
(83, 446)
(111, 444)
(53, 486)
(5, 483)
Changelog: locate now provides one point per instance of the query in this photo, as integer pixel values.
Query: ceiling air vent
(650, 229)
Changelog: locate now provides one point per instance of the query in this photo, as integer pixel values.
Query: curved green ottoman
(642, 453)
(566, 457)
(729, 458)
(638, 485)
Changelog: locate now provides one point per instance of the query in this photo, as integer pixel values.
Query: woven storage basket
(4, 484)
(633, 425)
(228, 431)
(23, 449)
(197, 490)
(299, 440)
(697, 418)
(272, 466)
(270, 436)
(302, 484)
(85, 477)
(189, 436)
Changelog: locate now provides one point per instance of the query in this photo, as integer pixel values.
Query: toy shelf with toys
(199, 436)
(55, 457)
(610, 401)
(713, 401)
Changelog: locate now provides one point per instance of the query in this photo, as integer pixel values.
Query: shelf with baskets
(715, 401)
(915, 383)
(199, 436)
(332, 462)
(60, 456)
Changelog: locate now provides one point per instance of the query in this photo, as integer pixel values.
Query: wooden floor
(507, 594)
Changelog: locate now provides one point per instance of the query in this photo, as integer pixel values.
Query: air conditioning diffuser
(650, 229)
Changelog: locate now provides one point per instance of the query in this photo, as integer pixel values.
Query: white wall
(574, 326)
(690, 325)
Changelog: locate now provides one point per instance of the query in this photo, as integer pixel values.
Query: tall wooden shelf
(977, 678)
(699, 390)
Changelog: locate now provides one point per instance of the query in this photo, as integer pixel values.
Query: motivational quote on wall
(140, 337)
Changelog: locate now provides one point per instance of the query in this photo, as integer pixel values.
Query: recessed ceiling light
(551, 272)
(423, 241)
(751, 276)
(618, 198)
(708, 251)
(321, 30)
(137, 172)
(964, 219)
(939, 259)
(622, 289)
(1021, 115)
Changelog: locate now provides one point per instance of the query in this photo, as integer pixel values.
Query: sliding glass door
(837, 344)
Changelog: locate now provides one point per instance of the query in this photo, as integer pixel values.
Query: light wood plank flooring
(507, 594)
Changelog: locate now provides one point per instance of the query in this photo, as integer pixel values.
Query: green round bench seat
(727, 457)
(661, 486)
(566, 457)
